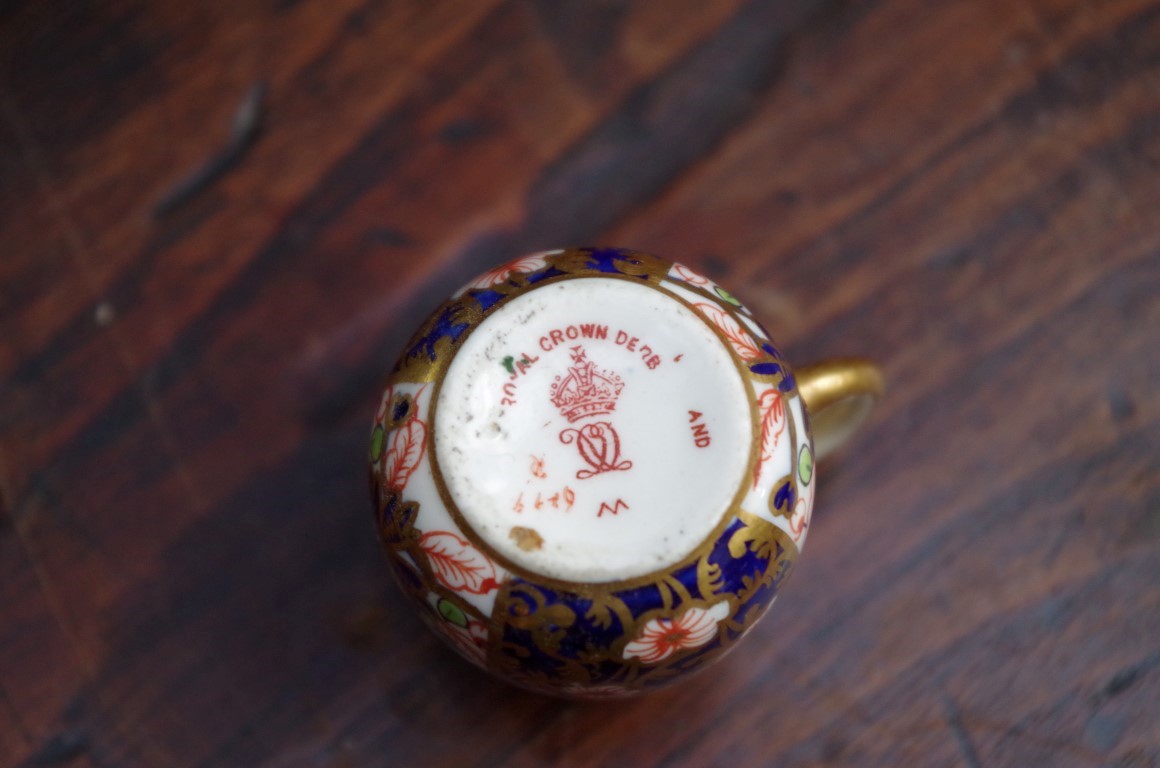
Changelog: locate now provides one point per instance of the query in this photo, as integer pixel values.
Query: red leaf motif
(772, 425)
(408, 442)
(407, 445)
(689, 276)
(739, 339)
(458, 565)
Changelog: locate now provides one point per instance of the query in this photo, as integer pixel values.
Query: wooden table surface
(968, 192)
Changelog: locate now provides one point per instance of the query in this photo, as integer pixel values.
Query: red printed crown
(586, 390)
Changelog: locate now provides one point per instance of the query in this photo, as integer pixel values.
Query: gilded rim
(591, 588)
(728, 514)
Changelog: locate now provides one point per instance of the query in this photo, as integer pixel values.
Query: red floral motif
(408, 442)
(772, 410)
(470, 641)
(660, 638)
(500, 274)
(800, 520)
(738, 337)
(457, 565)
(689, 276)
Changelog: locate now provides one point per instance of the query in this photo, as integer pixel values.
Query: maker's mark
(586, 392)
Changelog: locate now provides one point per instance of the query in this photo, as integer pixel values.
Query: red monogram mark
(599, 446)
(584, 392)
(606, 507)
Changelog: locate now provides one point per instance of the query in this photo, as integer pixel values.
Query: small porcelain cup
(593, 470)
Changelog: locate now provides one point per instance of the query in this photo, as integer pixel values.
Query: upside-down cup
(593, 470)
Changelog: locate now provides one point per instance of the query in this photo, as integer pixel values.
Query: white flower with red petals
(524, 264)
(660, 638)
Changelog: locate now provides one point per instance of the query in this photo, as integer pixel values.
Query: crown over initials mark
(586, 390)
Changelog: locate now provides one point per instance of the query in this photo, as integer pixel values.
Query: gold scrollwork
(631, 263)
(604, 606)
(781, 504)
(769, 542)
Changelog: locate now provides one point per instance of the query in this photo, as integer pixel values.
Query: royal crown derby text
(558, 336)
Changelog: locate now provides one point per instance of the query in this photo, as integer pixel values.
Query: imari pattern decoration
(592, 471)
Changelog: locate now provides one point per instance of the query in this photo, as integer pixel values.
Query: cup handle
(839, 394)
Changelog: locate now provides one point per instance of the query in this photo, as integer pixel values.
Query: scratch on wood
(81, 652)
(1125, 678)
(955, 721)
(82, 257)
(243, 131)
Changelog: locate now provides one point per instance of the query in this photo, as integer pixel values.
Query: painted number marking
(562, 499)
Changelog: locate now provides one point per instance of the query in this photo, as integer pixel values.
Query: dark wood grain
(967, 192)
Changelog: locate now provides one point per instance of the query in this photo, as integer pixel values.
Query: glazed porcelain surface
(592, 471)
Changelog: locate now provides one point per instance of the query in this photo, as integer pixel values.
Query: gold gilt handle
(839, 394)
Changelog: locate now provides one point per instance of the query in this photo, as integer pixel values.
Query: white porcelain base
(593, 430)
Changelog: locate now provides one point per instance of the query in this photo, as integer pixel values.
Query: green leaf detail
(724, 294)
(378, 437)
(451, 612)
(805, 465)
